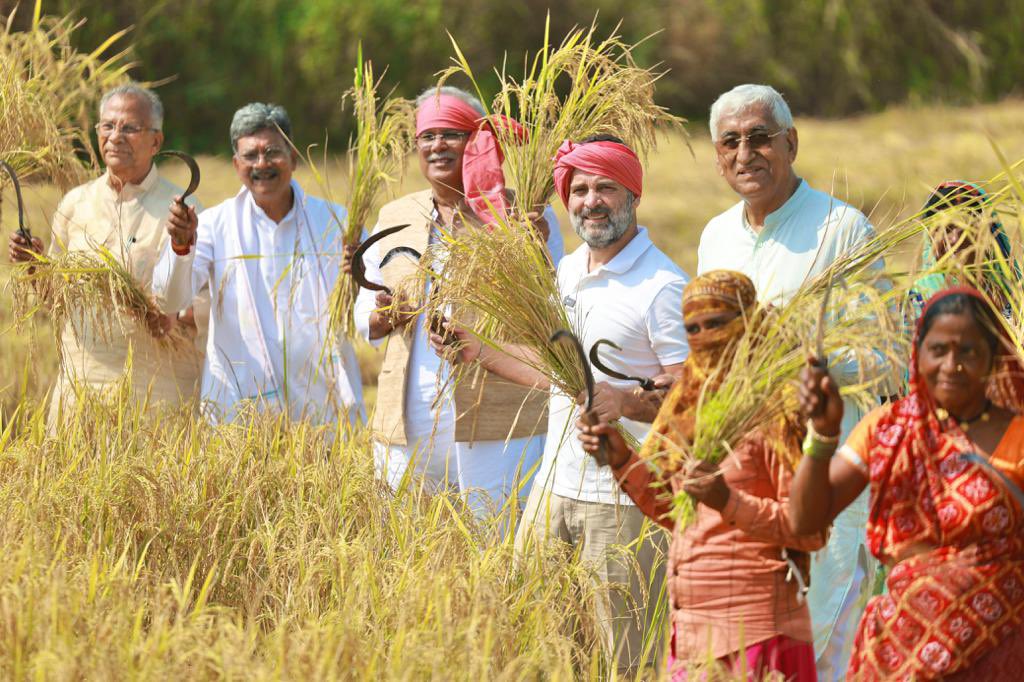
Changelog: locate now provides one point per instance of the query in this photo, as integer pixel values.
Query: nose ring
(959, 368)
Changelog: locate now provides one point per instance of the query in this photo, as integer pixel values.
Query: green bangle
(818, 449)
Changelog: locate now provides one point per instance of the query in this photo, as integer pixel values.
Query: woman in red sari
(945, 465)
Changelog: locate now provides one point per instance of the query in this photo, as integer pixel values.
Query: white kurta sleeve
(176, 279)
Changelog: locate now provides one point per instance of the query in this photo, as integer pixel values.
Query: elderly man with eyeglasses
(125, 211)
(781, 234)
(485, 435)
(269, 256)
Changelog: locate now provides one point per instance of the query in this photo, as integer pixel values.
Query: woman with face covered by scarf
(737, 573)
(945, 466)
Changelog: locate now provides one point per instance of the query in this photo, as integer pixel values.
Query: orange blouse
(729, 583)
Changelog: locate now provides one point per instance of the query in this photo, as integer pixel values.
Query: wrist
(818, 446)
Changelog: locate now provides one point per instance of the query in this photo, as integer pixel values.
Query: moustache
(263, 174)
(594, 212)
(440, 156)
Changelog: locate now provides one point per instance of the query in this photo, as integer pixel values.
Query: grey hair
(742, 97)
(257, 116)
(156, 107)
(454, 92)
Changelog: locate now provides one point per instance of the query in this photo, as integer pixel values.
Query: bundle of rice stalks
(855, 326)
(503, 274)
(47, 92)
(91, 289)
(605, 92)
(500, 286)
(376, 158)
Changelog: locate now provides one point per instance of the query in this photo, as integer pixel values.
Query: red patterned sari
(953, 533)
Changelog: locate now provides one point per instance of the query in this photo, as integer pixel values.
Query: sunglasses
(756, 141)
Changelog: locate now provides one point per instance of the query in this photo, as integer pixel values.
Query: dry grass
(385, 133)
(146, 550)
(48, 92)
(584, 86)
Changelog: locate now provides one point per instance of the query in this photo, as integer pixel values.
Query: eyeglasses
(449, 136)
(756, 141)
(107, 128)
(270, 154)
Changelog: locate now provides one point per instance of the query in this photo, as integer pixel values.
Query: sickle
(595, 359)
(22, 230)
(193, 185)
(400, 251)
(359, 269)
(566, 336)
(1014, 489)
(193, 167)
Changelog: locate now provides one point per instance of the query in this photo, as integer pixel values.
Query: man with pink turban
(620, 287)
(482, 439)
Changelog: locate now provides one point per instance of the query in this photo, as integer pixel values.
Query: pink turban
(607, 159)
(483, 181)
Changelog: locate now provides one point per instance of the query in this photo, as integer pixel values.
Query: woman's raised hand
(819, 398)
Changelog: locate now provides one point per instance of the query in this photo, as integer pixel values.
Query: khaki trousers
(627, 552)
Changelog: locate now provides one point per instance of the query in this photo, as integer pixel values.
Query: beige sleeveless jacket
(487, 408)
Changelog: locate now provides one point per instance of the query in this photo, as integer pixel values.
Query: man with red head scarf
(482, 439)
(620, 287)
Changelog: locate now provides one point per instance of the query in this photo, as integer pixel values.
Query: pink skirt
(780, 654)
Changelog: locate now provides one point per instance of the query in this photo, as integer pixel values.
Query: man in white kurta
(782, 234)
(487, 471)
(124, 212)
(472, 437)
(270, 257)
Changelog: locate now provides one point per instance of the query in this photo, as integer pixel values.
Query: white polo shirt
(634, 300)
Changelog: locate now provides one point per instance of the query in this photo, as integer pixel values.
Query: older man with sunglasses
(270, 256)
(125, 211)
(781, 234)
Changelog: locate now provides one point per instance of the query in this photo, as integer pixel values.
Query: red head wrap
(483, 181)
(607, 159)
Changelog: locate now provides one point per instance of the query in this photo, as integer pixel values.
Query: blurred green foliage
(830, 57)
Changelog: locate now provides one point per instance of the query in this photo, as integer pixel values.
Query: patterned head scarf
(718, 291)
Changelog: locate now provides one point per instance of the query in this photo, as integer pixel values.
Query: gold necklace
(964, 424)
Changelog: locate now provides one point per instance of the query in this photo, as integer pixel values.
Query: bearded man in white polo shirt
(782, 234)
(620, 287)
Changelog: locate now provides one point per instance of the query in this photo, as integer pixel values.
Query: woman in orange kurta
(737, 573)
(945, 465)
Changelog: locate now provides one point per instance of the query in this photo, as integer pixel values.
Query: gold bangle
(824, 440)
(816, 449)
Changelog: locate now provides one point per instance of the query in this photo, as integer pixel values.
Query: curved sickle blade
(193, 167)
(566, 336)
(359, 269)
(22, 230)
(595, 359)
(400, 251)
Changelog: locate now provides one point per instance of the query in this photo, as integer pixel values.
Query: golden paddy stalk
(91, 287)
(48, 92)
(606, 92)
(376, 159)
